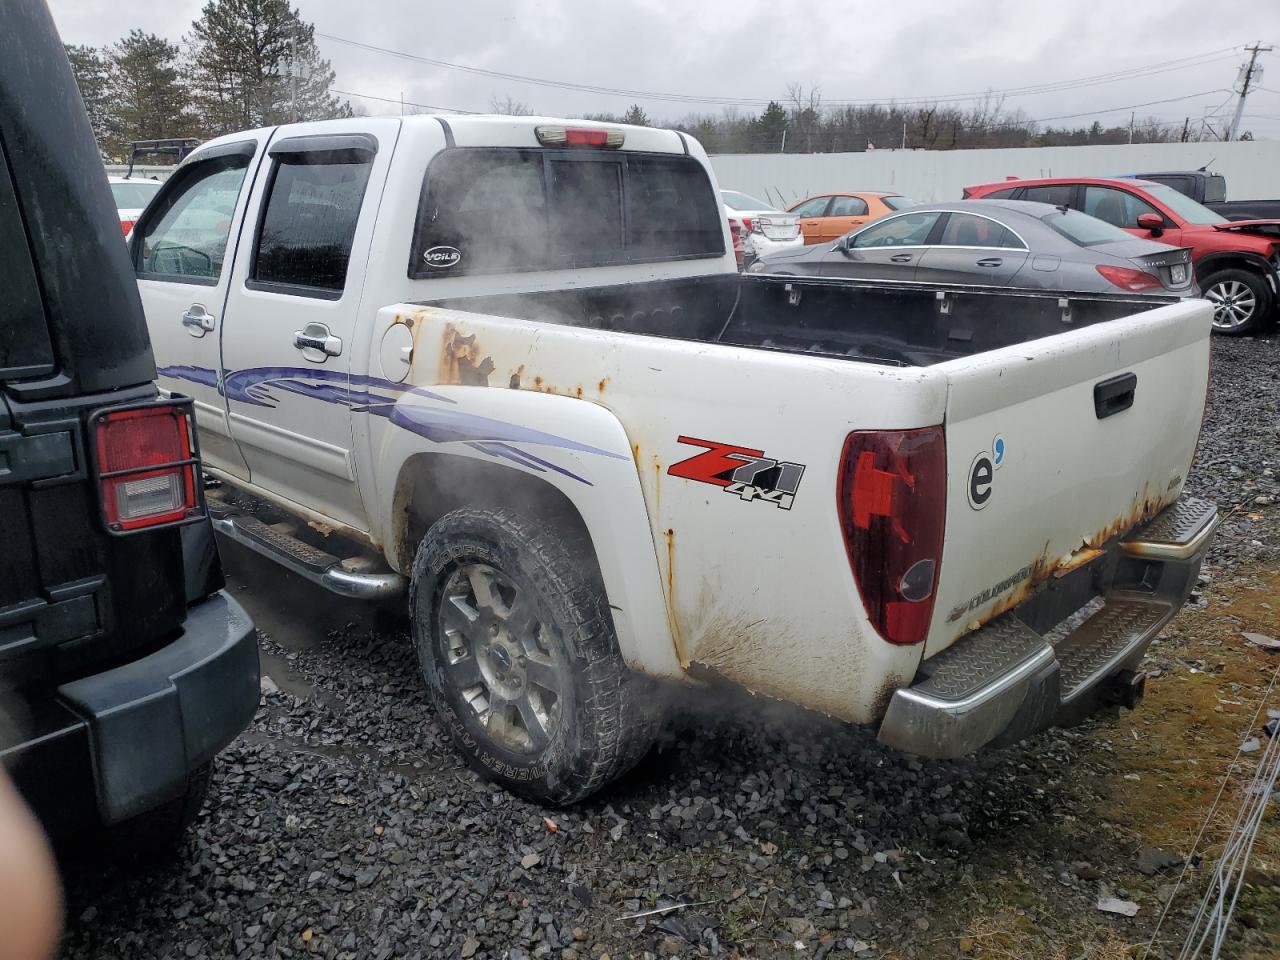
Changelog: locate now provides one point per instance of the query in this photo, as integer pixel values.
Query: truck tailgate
(1056, 446)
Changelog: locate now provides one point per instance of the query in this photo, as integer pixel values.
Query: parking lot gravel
(342, 825)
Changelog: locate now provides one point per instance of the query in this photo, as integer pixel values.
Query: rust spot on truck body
(676, 635)
(461, 360)
(1042, 569)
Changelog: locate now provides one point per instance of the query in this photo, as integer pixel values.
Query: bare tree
(509, 107)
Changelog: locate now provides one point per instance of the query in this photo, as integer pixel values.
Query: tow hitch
(1126, 688)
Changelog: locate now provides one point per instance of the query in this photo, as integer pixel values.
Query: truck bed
(886, 322)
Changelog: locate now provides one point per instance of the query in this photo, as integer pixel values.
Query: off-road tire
(1257, 286)
(604, 725)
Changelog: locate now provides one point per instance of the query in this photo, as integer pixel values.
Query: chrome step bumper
(1005, 681)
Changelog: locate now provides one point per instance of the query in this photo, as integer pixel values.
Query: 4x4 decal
(741, 471)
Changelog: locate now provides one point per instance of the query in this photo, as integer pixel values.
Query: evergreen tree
(635, 116)
(254, 63)
(93, 77)
(149, 101)
(770, 129)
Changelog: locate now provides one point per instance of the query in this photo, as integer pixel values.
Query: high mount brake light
(579, 137)
(146, 465)
(892, 504)
(1135, 281)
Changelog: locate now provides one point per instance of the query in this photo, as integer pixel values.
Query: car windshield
(1183, 205)
(898, 203)
(1082, 229)
(134, 196)
(742, 201)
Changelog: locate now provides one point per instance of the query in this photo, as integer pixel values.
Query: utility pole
(904, 134)
(1250, 74)
(1185, 126)
(1131, 128)
(293, 79)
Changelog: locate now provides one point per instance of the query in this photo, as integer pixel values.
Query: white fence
(141, 171)
(1252, 168)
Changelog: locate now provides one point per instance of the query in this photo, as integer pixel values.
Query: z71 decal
(741, 471)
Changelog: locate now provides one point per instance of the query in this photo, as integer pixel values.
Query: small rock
(1151, 860)
(1262, 640)
(922, 924)
(1125, 908)
(469, 948)
(1252, 745)
(1086, 871)
(530, 860)
(269, 686)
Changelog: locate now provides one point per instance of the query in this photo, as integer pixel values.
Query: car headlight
(757, 267)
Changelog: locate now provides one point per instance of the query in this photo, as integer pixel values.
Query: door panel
(182, 252)
(292, 312)
(993, 267)
(810, 213)
(844, 215)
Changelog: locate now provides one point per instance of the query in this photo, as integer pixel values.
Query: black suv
(124, 667)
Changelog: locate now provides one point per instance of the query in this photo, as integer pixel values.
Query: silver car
(997, 243)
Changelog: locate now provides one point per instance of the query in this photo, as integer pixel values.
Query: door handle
(902, 257)
(1114, 395)
(316, 343)
(198, 320)
(990, 262)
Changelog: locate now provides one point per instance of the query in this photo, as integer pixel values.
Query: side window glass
(1009, 239)
(1058, 194)
(1005, 194)
(967, 230)
(910, 229)
(811, 208)
(309, 223)
(848, 207)
(185, 236)
(1115, 207)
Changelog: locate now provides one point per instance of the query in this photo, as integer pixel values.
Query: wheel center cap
(501, 657)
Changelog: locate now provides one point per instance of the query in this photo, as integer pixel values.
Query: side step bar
(307, 561)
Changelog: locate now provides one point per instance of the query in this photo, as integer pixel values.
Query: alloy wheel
(502, 659)
(1233, 302)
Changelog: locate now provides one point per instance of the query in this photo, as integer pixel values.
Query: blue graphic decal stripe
(440, 425)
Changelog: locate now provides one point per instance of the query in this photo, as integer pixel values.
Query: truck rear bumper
(119, 743)
(1030, 668)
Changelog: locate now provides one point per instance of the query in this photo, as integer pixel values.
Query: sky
(661, 53)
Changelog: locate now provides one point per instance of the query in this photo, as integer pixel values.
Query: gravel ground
(343, 825)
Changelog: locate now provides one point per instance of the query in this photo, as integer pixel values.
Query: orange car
(832, 215)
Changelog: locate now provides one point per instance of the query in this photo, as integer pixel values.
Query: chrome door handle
(316, 343)
(990, 262)
(198, 320)
(901, 258)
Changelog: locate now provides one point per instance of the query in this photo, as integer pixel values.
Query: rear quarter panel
(699, 577)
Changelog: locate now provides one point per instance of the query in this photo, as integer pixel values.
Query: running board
(307, 561)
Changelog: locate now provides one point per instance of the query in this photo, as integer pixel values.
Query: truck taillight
(748, 224)
(892, 502)
(146, 465)
(1135, 281)
(126, 226)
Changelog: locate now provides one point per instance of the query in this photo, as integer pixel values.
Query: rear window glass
(1084, 230)
(487, 210)
(309, 224)
(1058, 194)
(133, 196)
(897, 203)
(742, 201)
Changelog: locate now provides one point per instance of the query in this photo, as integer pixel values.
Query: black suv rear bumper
(122, 742)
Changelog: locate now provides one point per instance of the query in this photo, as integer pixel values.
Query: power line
(600, 90)
(400, 100)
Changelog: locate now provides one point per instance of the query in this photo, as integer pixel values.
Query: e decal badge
(982, 474)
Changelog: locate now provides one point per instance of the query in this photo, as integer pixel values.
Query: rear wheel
(1241, 301)
(516, 643)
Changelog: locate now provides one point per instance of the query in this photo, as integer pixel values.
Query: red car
(1236, 261)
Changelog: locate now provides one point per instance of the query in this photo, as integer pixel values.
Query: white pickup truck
(507, 365)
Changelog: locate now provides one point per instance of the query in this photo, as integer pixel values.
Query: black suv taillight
(146, 465)
(892, 500)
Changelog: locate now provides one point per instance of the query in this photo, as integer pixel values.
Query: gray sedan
(1004, 243)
